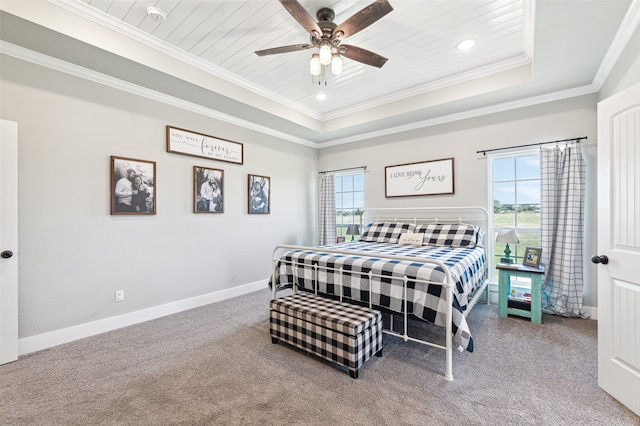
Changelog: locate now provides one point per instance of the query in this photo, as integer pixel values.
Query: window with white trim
(515, 197)
(349, 202)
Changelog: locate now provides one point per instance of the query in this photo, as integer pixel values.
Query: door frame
(9, 241)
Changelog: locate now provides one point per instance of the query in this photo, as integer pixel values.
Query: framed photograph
(433, 177)
(259, 194)
(339, 240)
(200, 145)
(532, 257)
(208, 190)
(133, 186)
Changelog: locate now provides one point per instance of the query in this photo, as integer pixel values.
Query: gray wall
(461, 140)
(74, 255)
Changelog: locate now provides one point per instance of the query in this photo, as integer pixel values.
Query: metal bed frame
(472, 215)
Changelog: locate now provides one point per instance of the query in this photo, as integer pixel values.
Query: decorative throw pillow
(411, 239)
(449, 235)
(386, 232)
(480, 241)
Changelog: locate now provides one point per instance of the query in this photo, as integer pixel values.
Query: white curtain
(562, 217)
(327, 213)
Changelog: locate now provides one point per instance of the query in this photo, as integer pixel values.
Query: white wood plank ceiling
(418, 37)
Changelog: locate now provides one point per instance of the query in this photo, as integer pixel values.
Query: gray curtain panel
(562, 217)
(327, 213)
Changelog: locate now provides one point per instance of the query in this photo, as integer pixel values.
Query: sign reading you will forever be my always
(422, 178)
(200, 145)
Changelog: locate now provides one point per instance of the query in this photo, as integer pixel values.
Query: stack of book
(519, 300)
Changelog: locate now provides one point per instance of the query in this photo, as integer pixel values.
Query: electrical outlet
(119, 295)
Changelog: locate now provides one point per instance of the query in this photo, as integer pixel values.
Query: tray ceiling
(524, 49)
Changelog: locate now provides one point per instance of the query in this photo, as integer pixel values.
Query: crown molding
(465, 115)
(625, 32)
(46, 61)
(478, 73)
(87, 12)
(40, 59)
(92, 14)
(628, 26)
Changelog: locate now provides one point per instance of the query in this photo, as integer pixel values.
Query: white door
(8, 241)
(619, 246)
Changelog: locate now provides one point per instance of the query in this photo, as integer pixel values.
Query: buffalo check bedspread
(425, 301)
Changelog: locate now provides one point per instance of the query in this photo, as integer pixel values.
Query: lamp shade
(507, 235)
(336, 64)
(353, 230)
(325, 53)
(314, 65)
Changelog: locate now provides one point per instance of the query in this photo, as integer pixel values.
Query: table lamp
(353, 230)
(507, 236)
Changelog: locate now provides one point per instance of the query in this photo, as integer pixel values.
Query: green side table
(506, 271)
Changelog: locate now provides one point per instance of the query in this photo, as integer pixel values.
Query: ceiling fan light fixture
(314, 66)
(466, 44)
(326, 36)
(336, 64)
(325, 53)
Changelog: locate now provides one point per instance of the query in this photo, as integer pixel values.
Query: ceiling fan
(327, 36)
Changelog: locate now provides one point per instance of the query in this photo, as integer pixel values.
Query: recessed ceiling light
(466, 44)
(156, 14)
(321, 96)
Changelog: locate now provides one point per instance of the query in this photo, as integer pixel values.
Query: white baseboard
(58, 337)
(593, 312)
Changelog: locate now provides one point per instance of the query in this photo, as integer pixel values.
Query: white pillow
(411, 238)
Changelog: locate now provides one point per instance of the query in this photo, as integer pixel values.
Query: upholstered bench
(340, 332)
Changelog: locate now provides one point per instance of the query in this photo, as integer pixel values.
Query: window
(515, 192)
(349, 202)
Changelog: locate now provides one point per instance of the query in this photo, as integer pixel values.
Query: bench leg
(379, 353)
(353, 374)
(274, 340)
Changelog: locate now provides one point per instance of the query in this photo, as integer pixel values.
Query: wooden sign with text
(200, 145)
(423, 178)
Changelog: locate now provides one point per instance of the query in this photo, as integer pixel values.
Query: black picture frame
(208, 190)
(532, 257)
(259, 194)
(133, 186)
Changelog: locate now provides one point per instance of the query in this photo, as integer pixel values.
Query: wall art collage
(134, 186)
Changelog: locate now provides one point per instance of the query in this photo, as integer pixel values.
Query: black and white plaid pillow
(386, 232)
(449, 235)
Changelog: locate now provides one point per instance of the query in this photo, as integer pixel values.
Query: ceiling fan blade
(362, 55)
(302, 16)
(284, 49)
(362, 19)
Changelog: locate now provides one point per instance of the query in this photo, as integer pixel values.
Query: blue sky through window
(517, 180)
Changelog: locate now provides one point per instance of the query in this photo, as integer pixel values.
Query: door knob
(600, 259)
(6, 254)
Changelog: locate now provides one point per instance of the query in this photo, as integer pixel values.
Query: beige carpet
(217, 365)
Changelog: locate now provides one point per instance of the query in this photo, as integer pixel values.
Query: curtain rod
(343, 170)
(484, 151)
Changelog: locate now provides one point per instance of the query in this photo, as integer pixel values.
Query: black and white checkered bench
(337, 331)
